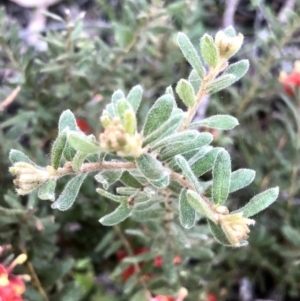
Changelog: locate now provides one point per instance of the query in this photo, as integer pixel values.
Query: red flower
(292, 81)
(11, 286)
(211, 297)
(83, 125)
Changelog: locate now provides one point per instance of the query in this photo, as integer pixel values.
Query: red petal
(83, 125)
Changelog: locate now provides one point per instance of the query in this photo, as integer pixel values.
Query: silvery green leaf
(175, 138)
(126, 190)
(67, 120)
(221, 83)
(259, 202)
(117, 95)
(238, 69)
(209, 50)
(110, 110)
(112, 197)
(161, 182)
(187, 214)
(230, 31)
(186, 170)
(17, 156)
(158, 114)
(221, 178)
(117, 216)
(152, 169)
(169, 90)
(57, 149)
(78, 160)
(200, 205)
(129, 180)
(69, 152)
(195, 80)
(122, 106)
(206, 162)
(219, 234)
(108, 177)
(144, 205)
(241, 178)
(201, 140)
(167, 128)
(186, 93)
(83, 143)
(222, 122)
(69, 194)
(145, 215)
(199, 154)
(190, 53)
(134, 97)
(47, 190)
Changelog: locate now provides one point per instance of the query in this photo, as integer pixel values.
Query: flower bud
(115, 138)
(228, 45)
(235, 227)
(28, 177)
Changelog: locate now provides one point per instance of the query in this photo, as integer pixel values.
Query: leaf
(158, 114)
(67, 120)
(57, 149)
(291, 234)
(108, 177)
(241, 178)
(117, 216)
(187, 214)
(230, 31)
(115, 98)
(221, 177)
(221, 83)
(69, 194)
(209, 51)
(83, 143)
(206, 162)
(169, 90)
(259, 202)
(78, 160)
(167, 128)
(175, 138)
(195, 80)
(237, 69)
(186, 93)
(69, 152)
(151, 168)
(134, 97)
(188, 173)
(219, 234)
(200, 205)
(130, 180)
(222, 122)
(190, 53)
(201, 140)
(17, 156)
(112, 197)
(47, 190)
(162, 182)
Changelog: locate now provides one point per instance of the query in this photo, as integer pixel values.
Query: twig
(10, 98)
(228, 17)
(35, 277)
(137, 267)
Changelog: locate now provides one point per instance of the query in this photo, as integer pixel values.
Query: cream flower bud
(235, 227)
(227, 45)
(28, 177)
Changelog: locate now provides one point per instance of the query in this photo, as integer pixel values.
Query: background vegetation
(78, 63)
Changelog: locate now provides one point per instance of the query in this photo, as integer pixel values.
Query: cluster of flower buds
(292, 81)
(28, 176)
(11, 286)
(120, 135)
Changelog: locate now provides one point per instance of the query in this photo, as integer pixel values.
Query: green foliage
(178, 179)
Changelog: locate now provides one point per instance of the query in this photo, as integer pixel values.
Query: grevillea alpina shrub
(156, 166)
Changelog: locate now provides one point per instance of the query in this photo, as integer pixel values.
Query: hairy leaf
(134, 97)
(241, 178)
(221, 177)
(187, 214)
(186, 93)
(83, 143)
(222, 122)
(108, 177)
(47, 190)
(67, 120)
(209, 50)
(117, 216)
(57, 149)
(69, 194)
